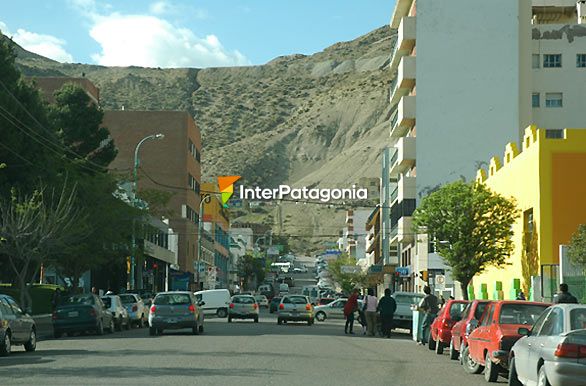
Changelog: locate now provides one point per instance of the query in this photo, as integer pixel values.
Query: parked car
(441, 328)
(324, 301)
(490, 343)
(175, 310)
(331, 310)
(119, 313)
(137, 311)
(553, 352)
(16, 327)
(80, 313)
(274, 305)
(216, 301)
(295, 308)
(470, 317)
(403, 317)
(243, 307)
(262, 301)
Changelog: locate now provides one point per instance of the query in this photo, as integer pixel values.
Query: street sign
(402, 271)
(440, 282)
(273, 250)
(350, 269)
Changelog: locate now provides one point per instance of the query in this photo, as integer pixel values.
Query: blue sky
(183, 33)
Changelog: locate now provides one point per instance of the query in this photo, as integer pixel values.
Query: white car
(137, 311)
(554, 351)
(262, 300)
(333, 310)
(216, 301)
(120, 314)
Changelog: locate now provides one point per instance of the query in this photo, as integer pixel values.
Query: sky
(186, 33)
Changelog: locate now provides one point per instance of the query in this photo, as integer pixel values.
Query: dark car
(80, 313)
(16, 327)
(274, 305)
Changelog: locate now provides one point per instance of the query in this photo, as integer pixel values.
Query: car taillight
(254, 305)
(134, 308)
(93, 312)
(281, 306)
(446, 324)
(570, 350)
(308, 307)
(54, 316)
(153, 309)
(191, 308)
(231, 305)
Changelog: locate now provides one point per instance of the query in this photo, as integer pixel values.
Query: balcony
(405, 79)
(406, 153)
(405, 117)
(407, 188)
(405, 40)
(404, 231)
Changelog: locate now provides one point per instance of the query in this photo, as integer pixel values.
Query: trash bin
(417, 323)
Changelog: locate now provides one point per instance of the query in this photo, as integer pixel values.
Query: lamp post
(131, 284)
(205, 198)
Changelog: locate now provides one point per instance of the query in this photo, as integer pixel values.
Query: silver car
(175, 310)
(332, 310)
(403, 317)
(554, 351)
(295, 308)
(137, 311)
(243, 307)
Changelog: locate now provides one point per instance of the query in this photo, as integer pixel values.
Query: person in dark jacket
(350, 308)
(429, 305)
(387, 307)
(564, 296)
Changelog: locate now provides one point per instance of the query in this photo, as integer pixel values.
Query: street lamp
(131, 284)
(206, 198)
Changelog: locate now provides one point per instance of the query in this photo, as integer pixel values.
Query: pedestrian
(362, 320)
(564, 296)
(370, 306)
(429, 305)
(350, 308)
(94, 290)
(442, 301)
(521, 296)
(387, 307)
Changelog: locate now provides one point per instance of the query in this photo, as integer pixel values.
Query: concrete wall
(471, 96)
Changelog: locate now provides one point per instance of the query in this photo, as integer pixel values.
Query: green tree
(251, 269)
(577, 248)
(530, 258)
(347, 280)
(474, 225)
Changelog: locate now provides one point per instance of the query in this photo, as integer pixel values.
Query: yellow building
(546, 179)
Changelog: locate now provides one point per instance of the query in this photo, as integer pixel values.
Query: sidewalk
(44, 326)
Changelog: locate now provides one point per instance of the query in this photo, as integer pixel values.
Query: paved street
(241, 353)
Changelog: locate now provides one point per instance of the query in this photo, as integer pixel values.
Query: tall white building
(470, 76)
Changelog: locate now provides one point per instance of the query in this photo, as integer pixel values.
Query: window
(539, 323)
(192, 215)
(552, 60)
(193, 151)
(193, 183)
(486, 319)
(578, 318)
(480, 307)
(554, 323)
(535, 102)
(535, 61)
(554, 133)
(581, 60)
(520, 313)
(553, 99)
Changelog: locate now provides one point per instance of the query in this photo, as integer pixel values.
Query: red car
(441, 328)
(490, 343)
(470, 317)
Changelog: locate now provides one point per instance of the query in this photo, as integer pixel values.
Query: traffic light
(423, 275)
(128, 264)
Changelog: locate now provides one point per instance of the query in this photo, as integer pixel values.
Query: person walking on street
(387, 307)
(350, 308)
(370, 306)
(521, 296)
(429, 305)
(564, 296)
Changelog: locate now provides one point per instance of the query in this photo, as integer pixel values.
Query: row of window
(555, 61)
(194, 152)
(193, 183)
(192, 215)
(552, 99)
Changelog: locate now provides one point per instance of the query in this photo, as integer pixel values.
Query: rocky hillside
(307, 120)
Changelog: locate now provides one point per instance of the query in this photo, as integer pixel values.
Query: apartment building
(470, 76)
(168, 168)
(355, 232)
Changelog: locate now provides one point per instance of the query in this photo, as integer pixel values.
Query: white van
(283, 289)
(216, 301)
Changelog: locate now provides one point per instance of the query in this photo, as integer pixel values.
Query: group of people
(368, 314)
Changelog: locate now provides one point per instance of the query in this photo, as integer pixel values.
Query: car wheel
(321, 316)
(491, 369)
(279, 321)
(229, 319)
(470, 365)
(221, 313)
(112, 326)
(57, 334)
(431, 343)
(100, 328)
(439, 346)
(255, 320)
(31, 344)
(127, 327)
(542, 379)
(152, 331)
(159, 331)
(201, 329)
(118, 325)
(453, 353)
(141, 322)
(195, 330)
(70, 334)
(513, 377)
(6, 346)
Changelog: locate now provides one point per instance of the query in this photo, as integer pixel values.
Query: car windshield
(243, 300)
(80, 299)
(127, 299)
(107, 302)
(172, 299)
(261, 297)
(297, 300)
(456, 310)
(407, 299)
(578, 319)
(479, 310)
(520, 313)
(276, 300)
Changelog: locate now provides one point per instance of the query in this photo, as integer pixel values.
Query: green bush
(41, 295)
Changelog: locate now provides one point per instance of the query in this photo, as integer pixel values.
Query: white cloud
(46, 45)
(166, 7)
(160, 7)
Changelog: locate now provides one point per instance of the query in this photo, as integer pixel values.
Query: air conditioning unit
(581, 9)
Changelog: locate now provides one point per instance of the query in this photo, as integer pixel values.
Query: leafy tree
(530, 258)
(251, 269)
(475, 225)
(348, 281)
(577, 248)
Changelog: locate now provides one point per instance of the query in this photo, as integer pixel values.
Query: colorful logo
(226, 185)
